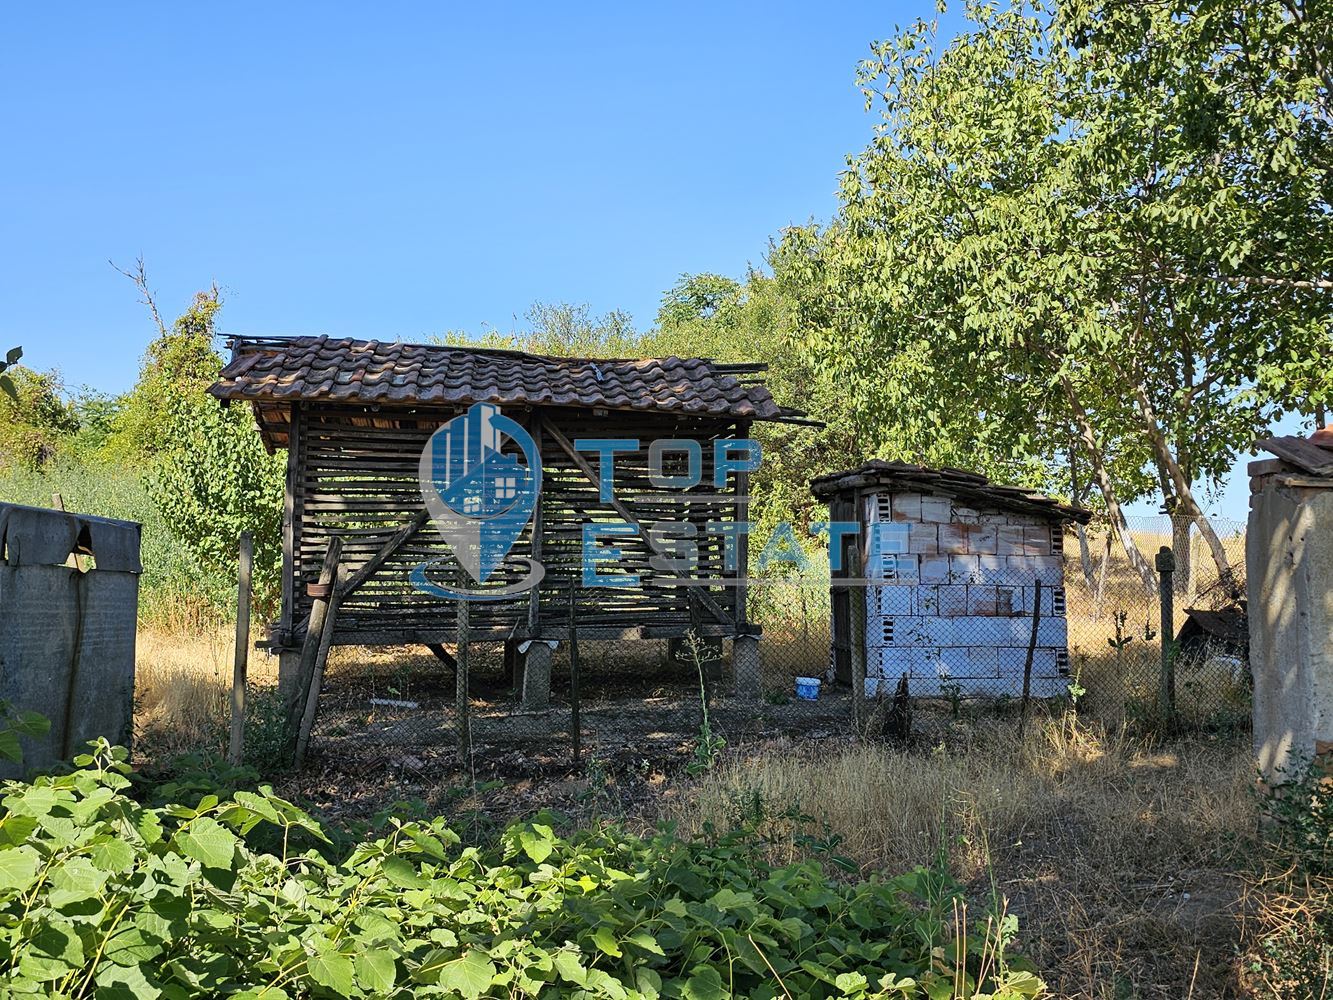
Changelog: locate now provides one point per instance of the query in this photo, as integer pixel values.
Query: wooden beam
(286, 613)
(442, 654)
(316, 680)
(313, 636)
(538, 527)
(628, 516)
(399, 538)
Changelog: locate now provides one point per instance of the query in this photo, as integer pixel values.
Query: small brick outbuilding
(952, 565)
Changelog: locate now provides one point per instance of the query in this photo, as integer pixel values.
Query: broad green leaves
(1086, 228)
(130, 901)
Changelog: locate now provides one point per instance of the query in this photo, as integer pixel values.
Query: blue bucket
(807, 688)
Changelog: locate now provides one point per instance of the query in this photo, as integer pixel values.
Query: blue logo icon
(480, 498)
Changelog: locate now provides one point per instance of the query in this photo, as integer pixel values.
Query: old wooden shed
(952, 565)
(354, 416)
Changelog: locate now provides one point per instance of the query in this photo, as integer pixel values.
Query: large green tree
(206, 467)
(1102, 224)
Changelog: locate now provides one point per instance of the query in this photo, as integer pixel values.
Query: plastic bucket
(807, 688)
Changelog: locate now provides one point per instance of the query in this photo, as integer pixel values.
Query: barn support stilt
(537, 677)
(746, 666)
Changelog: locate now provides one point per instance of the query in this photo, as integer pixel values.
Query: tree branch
(140, 278)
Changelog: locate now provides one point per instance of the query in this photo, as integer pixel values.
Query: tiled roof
(273, 370)
(1313, 454)
(970, 486)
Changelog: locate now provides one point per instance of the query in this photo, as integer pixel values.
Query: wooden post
(58, 502)
(1027, 660)
(241, 659)
(742, 541)
(310, 647)
(534, 595)
(856, 600)
(461, 706)
(317, 674)
(1166, 566)
(575, 722)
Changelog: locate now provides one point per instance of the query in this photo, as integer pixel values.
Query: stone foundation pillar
(289, 674)
(746, 666)
(537, 676)
(1289, 574)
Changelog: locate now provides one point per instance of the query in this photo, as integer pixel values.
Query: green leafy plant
(103, 896)
(7, 383)
(15, 724)
(952, 690)
(708, 746)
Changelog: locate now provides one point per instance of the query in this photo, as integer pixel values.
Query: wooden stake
(1027, 660)
(241, 659)
(310, 647)
(460, 686)
(1166, 566)
(575, 723)
(317, 676)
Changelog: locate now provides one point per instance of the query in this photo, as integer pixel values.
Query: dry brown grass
(1120, 860)
(182, 686)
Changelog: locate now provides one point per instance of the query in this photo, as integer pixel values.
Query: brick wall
(956, 598)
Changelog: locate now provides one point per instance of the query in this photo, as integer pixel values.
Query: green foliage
(215, 481)
(1087, 227)
(34, 417)
(101, 896)
(15, 724)
(178, 366)
(563, 330)
(1292, 955)
(6, 381)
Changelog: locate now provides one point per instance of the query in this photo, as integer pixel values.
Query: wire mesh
(1096, 639)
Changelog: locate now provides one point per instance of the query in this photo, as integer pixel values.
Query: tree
(1057, 243)
(7, 381)
(34, 418)
(207, 470)
(563, 330)
(709, 315)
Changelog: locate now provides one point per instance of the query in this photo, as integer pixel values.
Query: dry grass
(182, 686)
(1120, 860)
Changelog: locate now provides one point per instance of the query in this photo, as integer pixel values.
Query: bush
(1292, 956)
(101, 896)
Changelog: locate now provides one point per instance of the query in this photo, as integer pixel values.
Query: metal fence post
(1166, 566)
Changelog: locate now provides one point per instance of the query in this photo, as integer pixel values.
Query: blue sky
(396, 170)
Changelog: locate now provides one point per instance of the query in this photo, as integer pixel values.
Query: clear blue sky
(398, 170)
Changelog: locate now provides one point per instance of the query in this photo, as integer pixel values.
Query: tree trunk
(1186, 504)
(1182, 547)
(1084, 555)
(1103, 479)
(1076, 496)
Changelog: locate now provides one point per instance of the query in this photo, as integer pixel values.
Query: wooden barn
(354, 416)
(953, 568)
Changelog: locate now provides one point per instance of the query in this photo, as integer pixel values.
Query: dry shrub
(1119, 858)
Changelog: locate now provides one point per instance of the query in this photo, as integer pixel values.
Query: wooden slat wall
(356, 476)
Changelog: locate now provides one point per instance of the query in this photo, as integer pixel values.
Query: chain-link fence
(1080, 624)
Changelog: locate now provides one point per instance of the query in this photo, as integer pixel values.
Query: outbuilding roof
(969, 486)
(274, 372)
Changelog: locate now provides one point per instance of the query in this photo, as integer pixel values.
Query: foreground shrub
(101, 896)
(1292, 954)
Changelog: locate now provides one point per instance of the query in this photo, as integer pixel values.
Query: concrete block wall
(955, 596)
